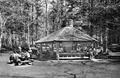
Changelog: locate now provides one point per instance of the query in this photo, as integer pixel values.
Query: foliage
(60, 13)
(68, 9)
(24, 47)
(106, 16)
(18, 15)
(47, 55)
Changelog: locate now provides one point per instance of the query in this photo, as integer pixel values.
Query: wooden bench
(72, 56)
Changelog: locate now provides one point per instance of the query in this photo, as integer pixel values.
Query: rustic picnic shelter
(67, 43)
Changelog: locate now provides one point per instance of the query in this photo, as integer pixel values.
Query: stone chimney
(71, 23)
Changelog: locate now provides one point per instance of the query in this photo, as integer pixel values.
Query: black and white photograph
(59, 38)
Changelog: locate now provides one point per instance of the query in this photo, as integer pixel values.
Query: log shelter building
(68, 43)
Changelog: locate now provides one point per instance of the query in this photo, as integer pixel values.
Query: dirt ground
(59, 69)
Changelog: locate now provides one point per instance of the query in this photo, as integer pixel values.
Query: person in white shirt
(15, 58)
(27, 55)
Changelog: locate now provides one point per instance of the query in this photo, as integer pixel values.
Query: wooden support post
(52, 46)
(58, 50)
(57, 56)
(40, 47)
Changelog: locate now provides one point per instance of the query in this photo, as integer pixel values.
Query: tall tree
(16, 15)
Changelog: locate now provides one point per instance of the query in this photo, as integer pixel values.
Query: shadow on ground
(7, 76)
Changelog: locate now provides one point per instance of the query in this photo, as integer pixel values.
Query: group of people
(96, 52)
(19, 56)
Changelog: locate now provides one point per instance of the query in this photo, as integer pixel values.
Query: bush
(43, 56)
(25, 47)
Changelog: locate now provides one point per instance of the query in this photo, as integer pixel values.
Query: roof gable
(67, 34)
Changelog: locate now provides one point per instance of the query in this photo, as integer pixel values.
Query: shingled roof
(67, 34)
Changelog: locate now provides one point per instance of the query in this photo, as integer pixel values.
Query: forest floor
(59, 69)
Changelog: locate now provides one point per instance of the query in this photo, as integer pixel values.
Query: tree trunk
(28, 41)
(36, 30)
(1, 33)
(1, 38)
(106, 39)
(46, 30)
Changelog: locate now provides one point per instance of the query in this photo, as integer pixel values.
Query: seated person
(98, 50)
(25, 56)
(11, 58)
(30, 52)
(14, 58)
(22, 58)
